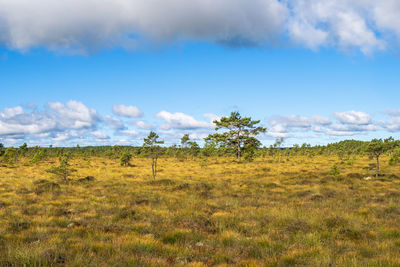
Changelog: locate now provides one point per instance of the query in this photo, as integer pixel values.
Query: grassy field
(201, 213)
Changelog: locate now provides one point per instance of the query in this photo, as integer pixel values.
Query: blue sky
(95, 90)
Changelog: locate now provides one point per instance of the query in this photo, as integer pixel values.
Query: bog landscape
(335, 205)
(199, 133)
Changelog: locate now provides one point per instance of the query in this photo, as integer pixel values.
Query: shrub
(125, 158)
(64, 170)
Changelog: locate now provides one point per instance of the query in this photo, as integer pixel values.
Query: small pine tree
(63, 170)
(125, 158)
(10, 156)
(39, 155)
(152, 148)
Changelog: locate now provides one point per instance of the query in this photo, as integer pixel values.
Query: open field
(202, 212)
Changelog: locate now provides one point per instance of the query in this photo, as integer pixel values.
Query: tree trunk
(238, 152)
(153, 169)
(377, 166)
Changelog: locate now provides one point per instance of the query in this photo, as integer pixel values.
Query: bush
(10, 156)
(38, 156)
(249, 154)
(125, 158)
(64, 170)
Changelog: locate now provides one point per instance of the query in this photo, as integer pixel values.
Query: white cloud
(129, 132)
(393, 112)
(292, 121)
(353, 117)
(74, 122)
(321, 120)
(143, 125)
(386, 15)
(278, 130)
(74, 114)
(11, 112)
(99, 135)
(127, 111)
(114, 123)
(349, 123)
(57, 118)
(393, 124)
(181, 121)
(339, 23)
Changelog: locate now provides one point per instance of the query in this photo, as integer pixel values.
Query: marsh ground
(201, 212)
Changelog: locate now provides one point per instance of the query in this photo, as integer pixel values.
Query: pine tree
(239, 131)
(152, 148)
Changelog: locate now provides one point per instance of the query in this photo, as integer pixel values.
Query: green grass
(201, 213)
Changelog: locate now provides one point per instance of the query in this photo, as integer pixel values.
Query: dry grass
(200, 213)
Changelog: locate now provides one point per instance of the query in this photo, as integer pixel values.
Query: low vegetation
(319, 210)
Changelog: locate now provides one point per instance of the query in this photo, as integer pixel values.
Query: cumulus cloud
(393, 123)
(114, 123)
(74, 123)
(56, 118)
(340, 23)
(182, 121)
(292, 121)
(353, 117)
(348, 123)
(11, 112)
(278, 130)
(143, 125)
(74, 114)
(99, 135)
(127, 111)
(81, 26)
(320, 120)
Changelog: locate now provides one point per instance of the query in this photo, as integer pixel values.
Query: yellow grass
(200, 213)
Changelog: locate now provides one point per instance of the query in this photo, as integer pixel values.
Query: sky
(106, 72)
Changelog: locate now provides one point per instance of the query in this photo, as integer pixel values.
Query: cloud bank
(71, 123)
(83, 26)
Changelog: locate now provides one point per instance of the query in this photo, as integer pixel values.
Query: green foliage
(376, 147)
(184, 140)
(10, 155)
(334, 170)
(22, 150)
(395, 157)
(39, 155)
(63, 170)
(277, 146)
(1, 149)
(125, 158)
(152, 149)
(249, 154)
(151, 145)
(194, 148)
(238, 131)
